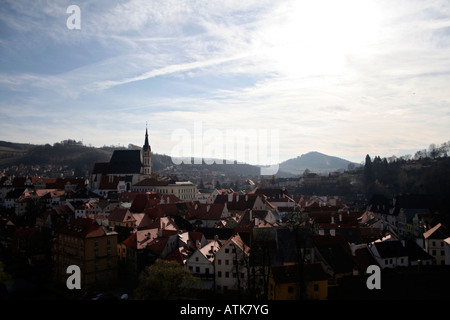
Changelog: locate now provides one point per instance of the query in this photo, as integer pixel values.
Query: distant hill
(10, 151)
(82, 158)
(315, 162)
(68, 153)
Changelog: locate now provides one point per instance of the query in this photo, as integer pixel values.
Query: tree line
(428, 172)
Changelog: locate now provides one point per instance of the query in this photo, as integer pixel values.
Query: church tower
(146, 157)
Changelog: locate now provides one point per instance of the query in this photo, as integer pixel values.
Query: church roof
(125, 162)
(146, 146)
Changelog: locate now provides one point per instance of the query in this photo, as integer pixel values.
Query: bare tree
(300, 228)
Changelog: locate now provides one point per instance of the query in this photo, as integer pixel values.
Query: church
(131, 170)
(127, 166)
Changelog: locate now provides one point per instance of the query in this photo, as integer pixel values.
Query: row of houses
(247, 242)
(221, 256)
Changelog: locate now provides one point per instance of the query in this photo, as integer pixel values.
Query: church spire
(146, 144)
(146, 168)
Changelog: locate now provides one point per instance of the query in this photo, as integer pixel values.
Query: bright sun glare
(313, 37)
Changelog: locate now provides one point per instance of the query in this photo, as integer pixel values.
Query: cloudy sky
(346, 78)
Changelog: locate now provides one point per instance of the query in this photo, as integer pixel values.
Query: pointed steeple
(146, 146)
(146, 168)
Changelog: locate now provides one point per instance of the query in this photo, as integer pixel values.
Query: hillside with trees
(427, 172)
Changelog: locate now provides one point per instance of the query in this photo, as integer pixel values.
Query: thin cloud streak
(103, 85)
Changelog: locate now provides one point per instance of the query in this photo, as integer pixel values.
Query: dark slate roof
(125, 162)
(390, 249)
(379, 203)
(15, 193)
(363, 258)
(221, 233)
(100, 168)
(415, 252)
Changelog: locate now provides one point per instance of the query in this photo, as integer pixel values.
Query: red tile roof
(121, 215)
(206, 211)
(83, 228)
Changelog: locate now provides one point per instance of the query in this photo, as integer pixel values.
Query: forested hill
(67, 153)
(425, 175)
(81, 159)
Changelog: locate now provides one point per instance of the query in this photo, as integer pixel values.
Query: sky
(346, 78)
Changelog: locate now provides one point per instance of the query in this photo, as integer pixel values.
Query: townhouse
(436, 241)
(86, 244)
